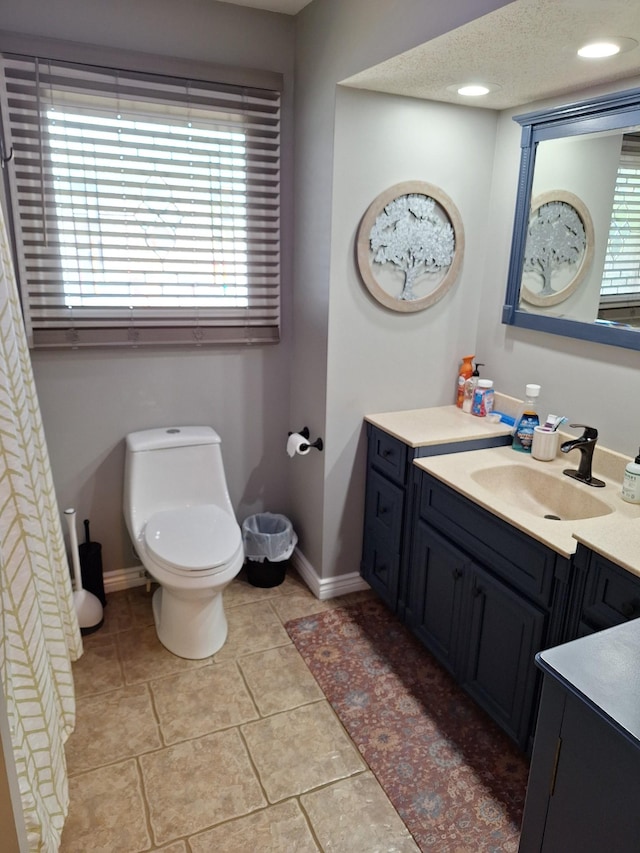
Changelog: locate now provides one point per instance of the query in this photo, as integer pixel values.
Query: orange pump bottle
(466, 370)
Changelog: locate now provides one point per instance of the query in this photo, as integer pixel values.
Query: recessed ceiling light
(604, 48)
(473, 90)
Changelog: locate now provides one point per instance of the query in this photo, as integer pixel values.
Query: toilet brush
(87, 605)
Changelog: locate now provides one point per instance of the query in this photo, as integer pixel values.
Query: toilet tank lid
(165, 437)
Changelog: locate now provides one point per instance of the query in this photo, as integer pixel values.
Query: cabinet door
(505, 632)
(384, 505)
(436, 583)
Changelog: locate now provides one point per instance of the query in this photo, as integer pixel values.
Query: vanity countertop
(604, 670)
(439, 425)
(615, 536)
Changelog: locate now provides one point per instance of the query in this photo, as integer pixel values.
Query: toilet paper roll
(294, 445)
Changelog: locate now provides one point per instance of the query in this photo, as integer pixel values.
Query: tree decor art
(559, 248)
(409, 246)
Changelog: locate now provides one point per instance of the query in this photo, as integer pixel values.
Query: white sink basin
(552, 496)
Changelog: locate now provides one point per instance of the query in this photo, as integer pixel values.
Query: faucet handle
(590, 433)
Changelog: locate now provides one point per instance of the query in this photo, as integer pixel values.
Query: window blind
(146, 207)
(622, 259)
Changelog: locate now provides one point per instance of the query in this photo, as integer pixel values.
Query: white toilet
(182, 524)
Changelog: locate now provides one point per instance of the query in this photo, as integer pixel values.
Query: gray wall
(90, 400)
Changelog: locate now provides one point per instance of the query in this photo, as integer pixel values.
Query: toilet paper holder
(318, 444)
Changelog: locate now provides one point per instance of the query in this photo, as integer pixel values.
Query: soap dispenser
(631, 481)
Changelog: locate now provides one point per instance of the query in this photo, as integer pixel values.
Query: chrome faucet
(586, 444)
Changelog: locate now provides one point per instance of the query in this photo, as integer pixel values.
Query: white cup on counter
(545, 444)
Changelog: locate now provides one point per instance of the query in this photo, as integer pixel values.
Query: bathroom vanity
(485, 574)
(583, 786)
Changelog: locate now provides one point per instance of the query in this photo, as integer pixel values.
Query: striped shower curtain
(39, 634)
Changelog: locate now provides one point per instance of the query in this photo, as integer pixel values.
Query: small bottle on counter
(470, 387)
(465, 371)
(526, 421)
(631, 481)
(482, 398)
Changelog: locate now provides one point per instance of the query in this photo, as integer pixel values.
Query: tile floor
(237, 753)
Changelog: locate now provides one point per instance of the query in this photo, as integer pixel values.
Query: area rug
(456, 780)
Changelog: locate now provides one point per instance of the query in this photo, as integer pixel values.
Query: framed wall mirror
(574, 268)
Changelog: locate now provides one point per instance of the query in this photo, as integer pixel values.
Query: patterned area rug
(455, 779)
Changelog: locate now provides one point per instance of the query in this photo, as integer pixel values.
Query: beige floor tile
(279, 680)
(299, 750)
(177, 847)
(117, 615)
(356, 815)
(201, 701)
(143, 657)
(301, 603)
(140, 605)
(278, 829)
(240, 591)
(252, 628)
(107, 812)
(198, 783)
(111, 727)
(98, 670)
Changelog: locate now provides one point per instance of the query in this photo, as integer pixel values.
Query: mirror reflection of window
(620, 291)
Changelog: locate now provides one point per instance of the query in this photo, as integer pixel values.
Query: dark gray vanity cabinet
(584, 783)
(484, 598)
(603, 594)
(389, 500)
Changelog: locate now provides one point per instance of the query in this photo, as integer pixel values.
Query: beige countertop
(439, 425)
(615, 535)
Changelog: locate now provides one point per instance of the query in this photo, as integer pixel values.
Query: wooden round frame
(581, 209)
(365, 255)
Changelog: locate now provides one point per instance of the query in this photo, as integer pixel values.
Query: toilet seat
(192, 539)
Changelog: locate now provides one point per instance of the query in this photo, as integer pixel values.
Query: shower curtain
(39, 634)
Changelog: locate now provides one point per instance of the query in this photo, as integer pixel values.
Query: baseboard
(322, 588)
(120, 579)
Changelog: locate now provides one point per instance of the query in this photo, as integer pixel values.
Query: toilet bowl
(181, 521)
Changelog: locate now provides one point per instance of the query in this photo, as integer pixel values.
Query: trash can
(269, 540)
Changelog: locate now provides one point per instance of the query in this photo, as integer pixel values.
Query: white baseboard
(120, 579)
(322, 588)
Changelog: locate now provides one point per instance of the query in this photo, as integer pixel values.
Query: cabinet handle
(478, 590)
(387, 452)
(383, 510)
(629, 609)
(457, 574)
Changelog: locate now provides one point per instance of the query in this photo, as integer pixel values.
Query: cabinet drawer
(523, 562)
(612, 595)
(380, 565)
(384, 505)
(388, 455)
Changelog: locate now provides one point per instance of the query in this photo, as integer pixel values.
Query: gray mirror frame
(616, 111)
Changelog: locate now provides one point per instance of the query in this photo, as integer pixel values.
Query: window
(145, 206)
(621, 278)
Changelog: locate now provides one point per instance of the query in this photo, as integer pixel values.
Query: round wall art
(409, 246)
(559, 248)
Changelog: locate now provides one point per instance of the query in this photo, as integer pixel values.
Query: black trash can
(268, 540)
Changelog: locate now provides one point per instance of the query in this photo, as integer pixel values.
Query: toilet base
(192, 627)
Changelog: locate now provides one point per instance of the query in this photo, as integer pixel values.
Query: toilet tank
(170, 468)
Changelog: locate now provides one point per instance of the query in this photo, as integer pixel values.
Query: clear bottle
(631, 481)
(526, 421)
(482, 398)
(470, 387)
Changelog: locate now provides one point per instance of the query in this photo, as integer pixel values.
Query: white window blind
(145, 207)
(621, 276)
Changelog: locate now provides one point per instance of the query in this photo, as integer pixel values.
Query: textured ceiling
(528, 48)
